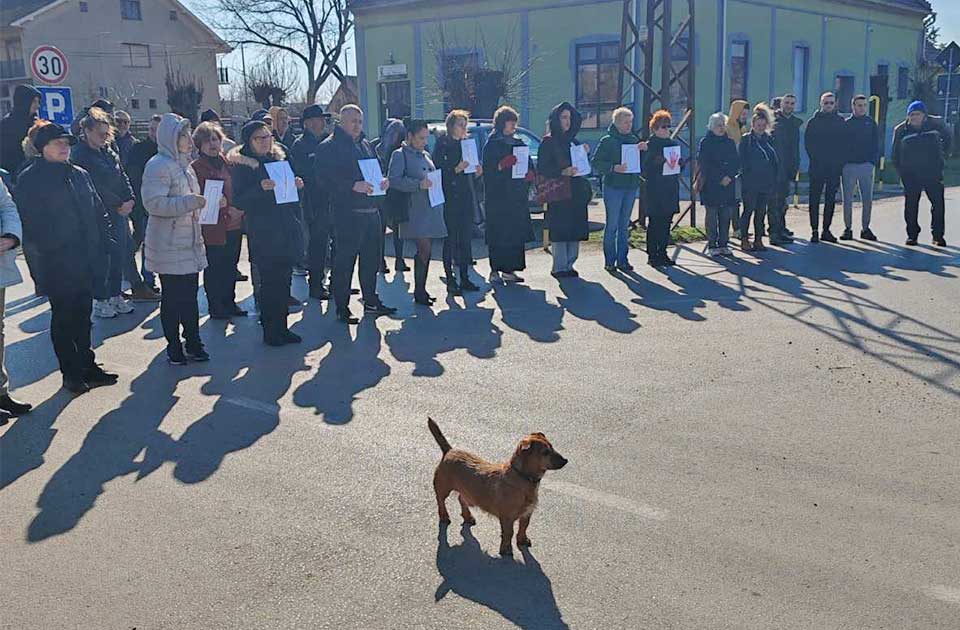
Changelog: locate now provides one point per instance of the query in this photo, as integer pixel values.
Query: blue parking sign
(56, 105)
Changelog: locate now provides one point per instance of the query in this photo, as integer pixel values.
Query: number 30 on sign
(49, 65)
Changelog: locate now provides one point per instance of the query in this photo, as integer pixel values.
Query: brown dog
(507, 491)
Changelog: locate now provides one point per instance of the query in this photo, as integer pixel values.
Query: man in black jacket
(355, 211)
(14, 127)
(826, 148)
(134, 165)
(316, 202)
(786, 139)
(919, 146)
(863, 153)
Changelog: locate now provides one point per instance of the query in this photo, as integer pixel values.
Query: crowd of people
(92, 197)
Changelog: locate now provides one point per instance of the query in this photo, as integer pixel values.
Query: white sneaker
(713, 252)
(103, 309)
(495, 278)
(121, 305)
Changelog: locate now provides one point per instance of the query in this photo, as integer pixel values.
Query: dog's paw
(524, 542)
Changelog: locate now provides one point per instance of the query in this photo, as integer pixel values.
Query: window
(801, 63)
(134, 103)
(739, 64)
(903, 82)
(136, 56)
(102, 92)
(173, 16)
(598, 73)
(153, 103)
(883, 69)
(130, 10)
(84, 7)
(843, 87)
(394, 99)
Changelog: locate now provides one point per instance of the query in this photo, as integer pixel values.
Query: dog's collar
(529, 478)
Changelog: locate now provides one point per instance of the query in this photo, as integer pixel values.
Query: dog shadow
(520, 592)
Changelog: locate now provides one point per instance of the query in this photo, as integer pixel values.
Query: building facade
(547, 51)
(121, 50)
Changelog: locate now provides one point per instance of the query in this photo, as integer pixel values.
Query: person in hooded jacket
(174, 242)
(221, 239)
(389, 141)
(506, 202)
(920, 144)
(94, 153)
(68, 227)
(275, 230)
(663, 191)
(758, 171)
(11, 234)
(566, 218)
(786, 139)
(408, 170)
(316, 201)
(737, 125)
(460, 200)
(719, 170)
(826, 145)
(14, 127)
(620, 188)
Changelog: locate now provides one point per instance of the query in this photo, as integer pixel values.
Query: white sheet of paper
(436, 191)
(630, 155)
(671, 160)
(523, 161)
(579, 159)
(212, 192)
(468, 149)
(286, 189)
(372, 174)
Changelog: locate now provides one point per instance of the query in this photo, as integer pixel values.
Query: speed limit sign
(49, 65)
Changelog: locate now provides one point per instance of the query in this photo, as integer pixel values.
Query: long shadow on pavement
(590, 301)
(526, 310)
(521, 593)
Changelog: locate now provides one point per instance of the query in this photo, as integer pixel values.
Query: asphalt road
(770, 443)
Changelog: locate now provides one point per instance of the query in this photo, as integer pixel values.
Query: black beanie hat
(250, 128)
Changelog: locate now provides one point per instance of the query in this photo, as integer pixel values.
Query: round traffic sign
(49, 65)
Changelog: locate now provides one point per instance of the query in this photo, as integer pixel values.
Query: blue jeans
(616, 233)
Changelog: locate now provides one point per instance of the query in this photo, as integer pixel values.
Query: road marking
(948, 594)
(256, 405)
(606, 499)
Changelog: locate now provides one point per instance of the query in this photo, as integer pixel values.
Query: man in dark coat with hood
(786, 140)
(316, 202)
(14, 127)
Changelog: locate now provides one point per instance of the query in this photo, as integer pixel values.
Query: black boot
(420, 282)
(465, 284)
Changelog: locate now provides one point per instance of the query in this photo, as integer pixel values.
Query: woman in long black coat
(506, 204)
(274, 230)
(566, 218)
(663, 191)
(460, 200)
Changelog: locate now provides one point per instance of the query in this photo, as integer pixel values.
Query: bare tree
(123, 93)
(184, 93)
(471, 79)
(272, 81)
(312, 31)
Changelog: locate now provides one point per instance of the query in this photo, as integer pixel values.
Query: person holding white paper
(460, 205)
(222, 239)
(567, 191)
(409, 166)
(274, 230)
(620, 188)
(508, 214)
(663, 191)
(173, 244)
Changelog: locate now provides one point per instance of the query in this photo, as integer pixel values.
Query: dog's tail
(438, 436)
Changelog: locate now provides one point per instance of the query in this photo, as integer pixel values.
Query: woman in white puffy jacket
(173, 242)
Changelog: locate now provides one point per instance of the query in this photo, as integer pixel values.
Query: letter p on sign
(56, 105)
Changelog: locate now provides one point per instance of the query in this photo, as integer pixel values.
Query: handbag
(552, 189)
(397, 204)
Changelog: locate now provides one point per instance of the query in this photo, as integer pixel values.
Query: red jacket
(230, 218)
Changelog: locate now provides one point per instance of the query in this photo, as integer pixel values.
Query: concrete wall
(93, 43)
(843, 38)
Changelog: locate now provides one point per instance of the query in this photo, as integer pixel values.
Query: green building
(416, 57)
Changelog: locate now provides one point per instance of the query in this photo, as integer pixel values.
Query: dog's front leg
(506, 536)
(522, 539)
